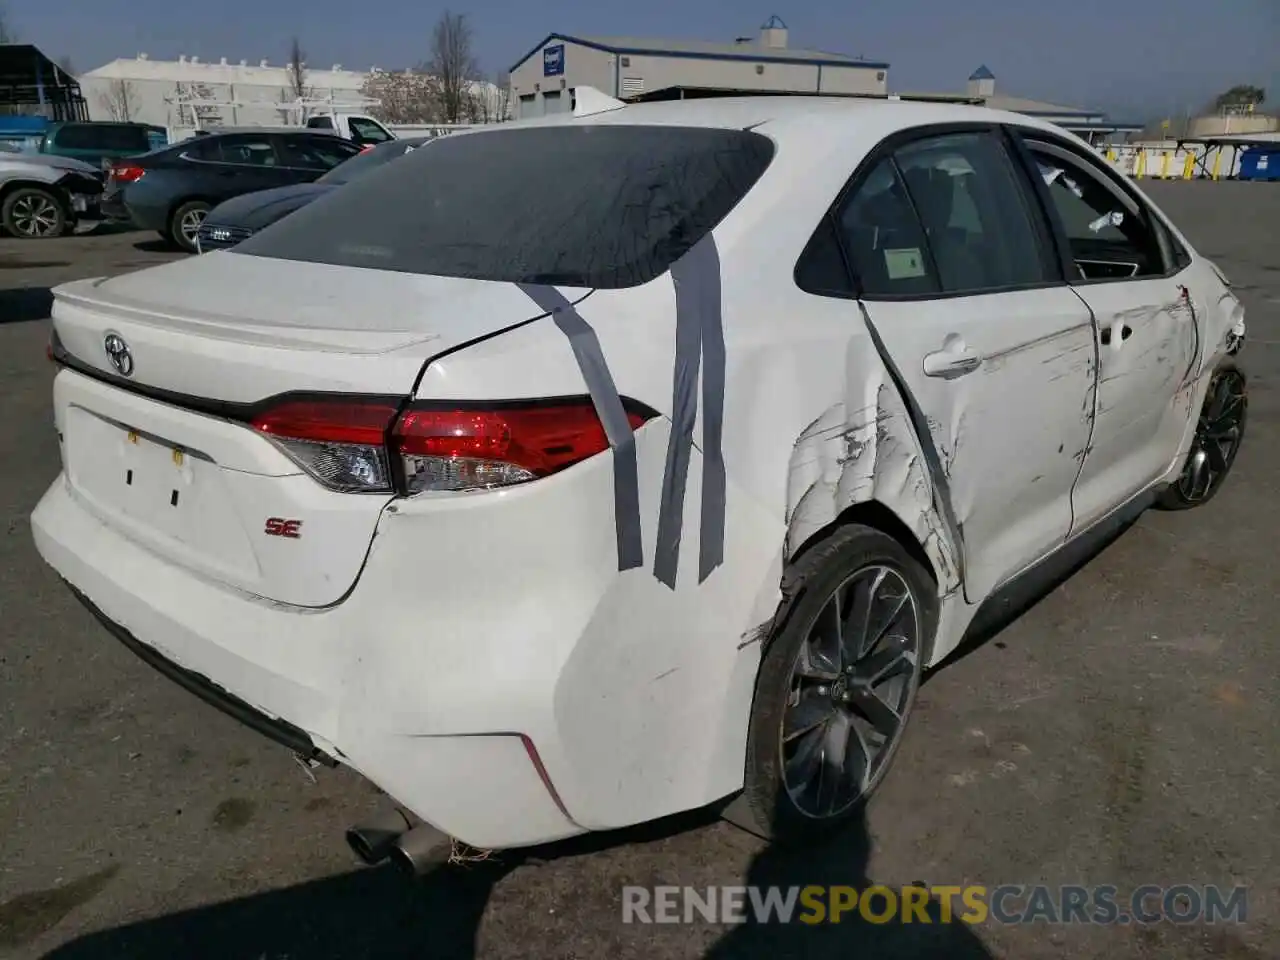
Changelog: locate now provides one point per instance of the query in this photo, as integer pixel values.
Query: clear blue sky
(1151, 56)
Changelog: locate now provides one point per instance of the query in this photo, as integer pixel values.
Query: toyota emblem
(118, 353)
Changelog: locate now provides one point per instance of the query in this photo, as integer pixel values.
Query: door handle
(1105, 334)
(949, 364)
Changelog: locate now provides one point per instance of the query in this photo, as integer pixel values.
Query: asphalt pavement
(1123, 732)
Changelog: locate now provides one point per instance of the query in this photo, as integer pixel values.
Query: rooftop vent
(244, 63)
(182, 58)
(223, 61)
(263, 63)
(142, 56)
(195, 59)
(774, 33)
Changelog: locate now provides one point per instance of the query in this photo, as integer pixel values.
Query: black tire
(765, 806)
(176, 234)
(1184, 493)
(32, 213)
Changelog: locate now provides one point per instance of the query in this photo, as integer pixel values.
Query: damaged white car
(631, 463)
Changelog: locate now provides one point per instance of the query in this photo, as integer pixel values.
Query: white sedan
(636, 462)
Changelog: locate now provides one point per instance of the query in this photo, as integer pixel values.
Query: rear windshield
(596, 205)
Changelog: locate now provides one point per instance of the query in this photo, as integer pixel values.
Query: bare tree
(404, 96)
(453, 66)
(120, 100)
(299, 89)
(195, 114)
(490, 102)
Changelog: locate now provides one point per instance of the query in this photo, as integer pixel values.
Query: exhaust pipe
(421, 849)
(373, 842)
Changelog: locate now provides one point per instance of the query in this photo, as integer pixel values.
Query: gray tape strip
(699, 338)
(613, 416)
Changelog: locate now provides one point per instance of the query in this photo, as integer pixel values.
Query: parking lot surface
(1123, 731)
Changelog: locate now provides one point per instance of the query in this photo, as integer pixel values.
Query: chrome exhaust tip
(373, 841)
(421, 849)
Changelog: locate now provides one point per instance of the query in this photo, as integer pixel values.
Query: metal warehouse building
(633, 69)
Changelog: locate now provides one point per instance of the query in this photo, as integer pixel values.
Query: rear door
(308, 156)
(1126, 269)
(954, 268)
(239, 163)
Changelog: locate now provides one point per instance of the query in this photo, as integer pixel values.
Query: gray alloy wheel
(185, 223)
(838, 678)
(1219, 434)
(34, 214)
(852, 687)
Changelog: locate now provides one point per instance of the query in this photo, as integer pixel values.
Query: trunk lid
(165, 454)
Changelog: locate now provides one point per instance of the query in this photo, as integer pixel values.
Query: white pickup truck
(366, 131)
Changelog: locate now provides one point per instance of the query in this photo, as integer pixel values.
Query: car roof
(828, 118)
(299, 131)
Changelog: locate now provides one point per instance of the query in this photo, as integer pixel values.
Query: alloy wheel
(852, 686)
(1217, 437)
(190, 225)
(35, 215)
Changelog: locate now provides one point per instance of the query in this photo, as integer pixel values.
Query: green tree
(1241, 95)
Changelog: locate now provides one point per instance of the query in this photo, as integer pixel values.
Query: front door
(962, 288)
(1147, 340)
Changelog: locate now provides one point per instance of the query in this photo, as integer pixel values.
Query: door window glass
(315, 153)
(975, 213)
(366, 131)
(883, 239)
(1107, 242)
(247, 150)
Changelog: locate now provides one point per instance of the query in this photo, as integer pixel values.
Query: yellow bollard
(1217, 163)
(1189, 166)
(1111, 156)
(1164, 166)
(1141, 166)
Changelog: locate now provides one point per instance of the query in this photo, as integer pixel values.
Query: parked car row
(238, 219)
(129, 173)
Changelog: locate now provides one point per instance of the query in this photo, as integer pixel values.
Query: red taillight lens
(349, 444)
(340, 442)
(473, 447)
(126, 173)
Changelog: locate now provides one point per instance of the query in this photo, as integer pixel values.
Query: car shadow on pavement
(367, 914)
(850, 916)
(155, 245)
(23, 304)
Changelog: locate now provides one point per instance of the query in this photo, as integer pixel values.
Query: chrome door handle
(946, 364)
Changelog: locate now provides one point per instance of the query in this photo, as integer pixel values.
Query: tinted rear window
(88, 136)
(584, 206)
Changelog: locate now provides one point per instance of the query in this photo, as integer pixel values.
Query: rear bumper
(281, 731)
(480, 623)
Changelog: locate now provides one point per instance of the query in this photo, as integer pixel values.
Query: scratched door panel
(1147, 352)
(1009, 432)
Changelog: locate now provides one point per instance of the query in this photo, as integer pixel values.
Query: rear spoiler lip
(236, 411)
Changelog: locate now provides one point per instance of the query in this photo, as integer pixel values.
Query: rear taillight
(341, 442)
(126, 173)
(482, 446)
(363, 445)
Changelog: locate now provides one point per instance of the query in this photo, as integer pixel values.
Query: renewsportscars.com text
(1005, 904)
